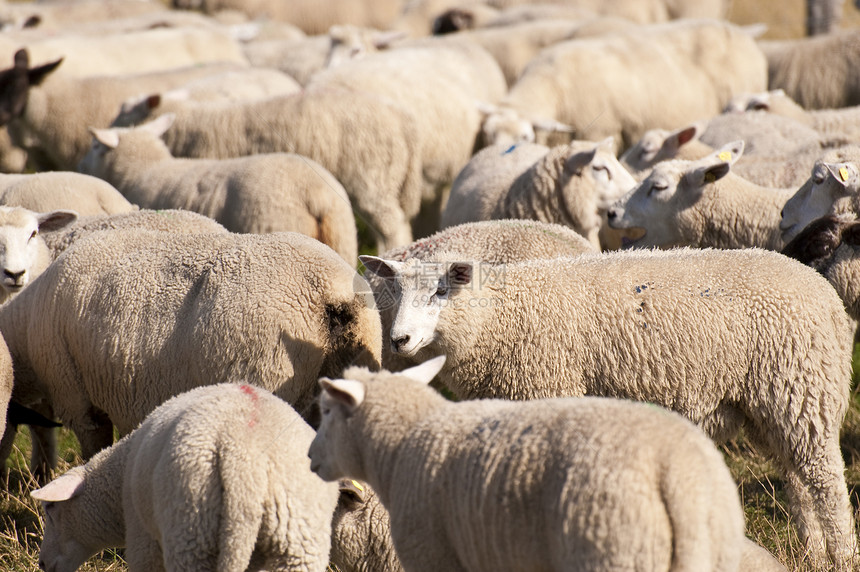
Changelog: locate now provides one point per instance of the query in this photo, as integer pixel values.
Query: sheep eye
(818, 178)
(32, 236)
(657, 187)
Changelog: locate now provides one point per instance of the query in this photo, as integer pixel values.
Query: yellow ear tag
(358, 486)
(725, 156)
(710, 177)
(843, 173)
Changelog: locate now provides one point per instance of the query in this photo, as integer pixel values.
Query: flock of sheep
(617, 232)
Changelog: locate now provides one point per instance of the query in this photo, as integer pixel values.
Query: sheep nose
(397, 343)
(612, 214)
(16, 276)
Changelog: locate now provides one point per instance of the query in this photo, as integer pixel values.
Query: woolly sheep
(258, 193)
(670, 502)
(23, 253)
(48, 113)
(816, 72)
(829, 244)
(493, 242)
(311, 16)
(233, 85)
(560, 83)
(777, 171)
(42, 192)
(831, 189)
(836, 126)
(702, 204)
(368, 143)
(59, 16)
(131, 52)
(729, 338)
(762, 133)
(439, 83)
(165, 220)
(215, 478)
(274, 310)
(570, 184)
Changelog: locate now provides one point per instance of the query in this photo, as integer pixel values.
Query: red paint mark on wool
(249, 391)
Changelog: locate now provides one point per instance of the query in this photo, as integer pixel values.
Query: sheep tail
(331, 232)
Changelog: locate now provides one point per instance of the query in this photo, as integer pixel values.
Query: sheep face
(506, 127)
(332, 452)
(23, 254)
(68, 539)
(605, 174)
(420, 290)
(657, 145)
(825, 192)
(657, 204)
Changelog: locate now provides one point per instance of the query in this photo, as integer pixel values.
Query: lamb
(233, 85)
(832, 188)
(702, 204)
(569, 184)
(311, 16)
(493, 242)
(816, 72)
(275, 310)
(728, 338)
(131, 52)
(48, 113)
(560, 83)
(215, 478)
(436, 464)
(164, 220)
(829, 244)
(368, 143)
(23, 252)
(258, 193)
(836, 126)
(83, 194)
(778, 171)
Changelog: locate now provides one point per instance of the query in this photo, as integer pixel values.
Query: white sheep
(571, 185)
(137, 51)
(300, 58)
(60, 16)
(728, 338)
(702, 204)
(216, 478)
(779, 171)
(311, 16)
(23, 252)
(41, 192)
(817, 72)
(832, 188)
(48, 113)
(367, 142)
(165, 220)
(196, 309)
(762, 133)
(836, 126)
(259, 193)
(711, 61)
(557, 484)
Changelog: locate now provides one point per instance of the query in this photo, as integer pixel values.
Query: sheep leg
(43, 457)
(143, 552)
(94, 433)
(823, 484)
(387, 222)
(6, 444)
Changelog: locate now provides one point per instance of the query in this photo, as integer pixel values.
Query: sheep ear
(60, 489)
(152, 101)
(578, 161)
(347, 392)
(460, 274)
(38, 74)
(159, 125)
(55, 220)
(846, 174)
(107, 137)
(386, 269)
(425, 372)
(715, 166)
(681, 137)
(486, 108)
